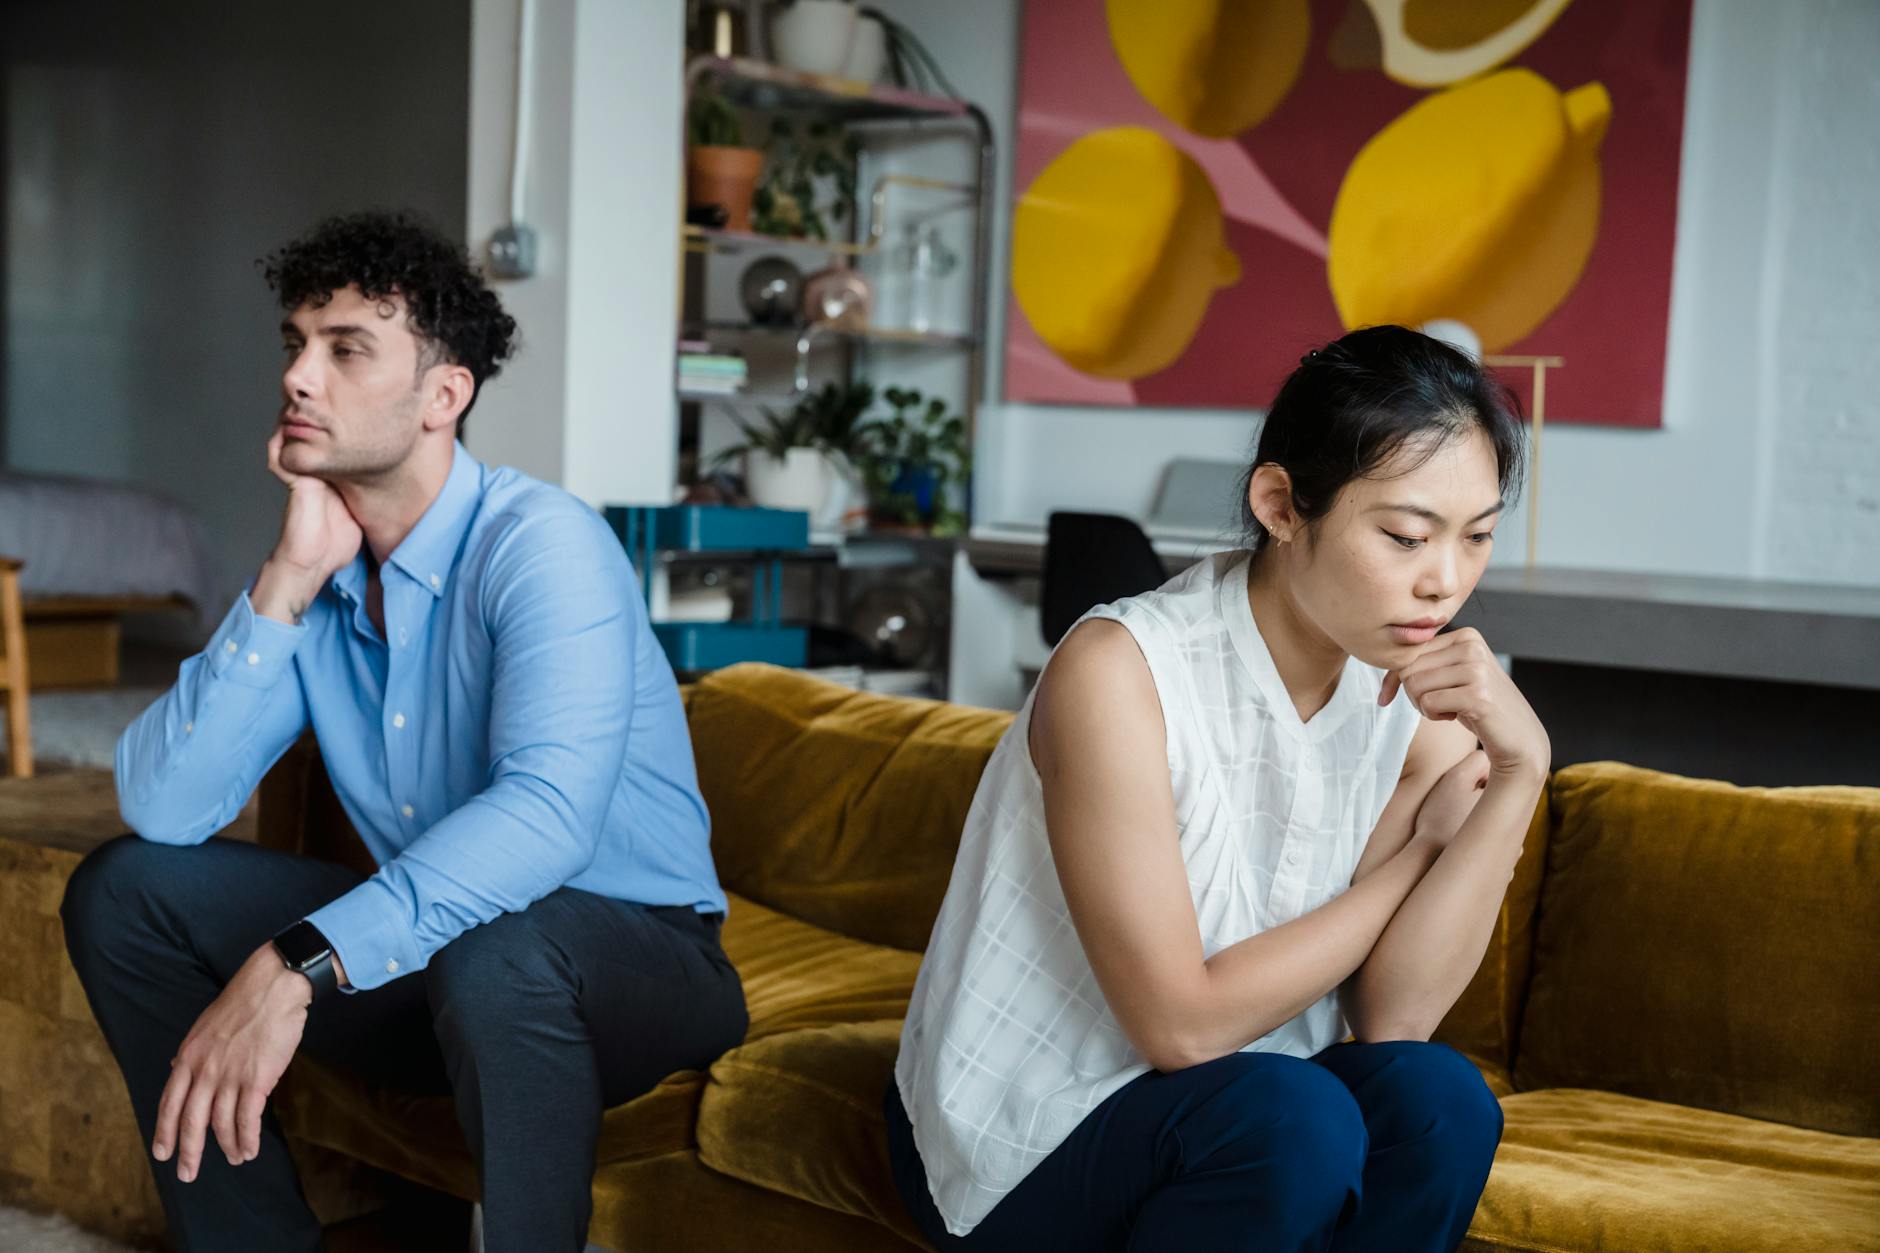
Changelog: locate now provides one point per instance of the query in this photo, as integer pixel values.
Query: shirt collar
(430, 550)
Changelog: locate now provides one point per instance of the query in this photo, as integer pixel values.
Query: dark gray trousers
(535, 1022)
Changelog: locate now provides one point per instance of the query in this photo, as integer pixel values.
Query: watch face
(301, 945)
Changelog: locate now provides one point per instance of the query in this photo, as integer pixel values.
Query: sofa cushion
(835, 806)
(800, 1113)
(1603, 1173)
(1709, 945)
(677, 1204)
(798, 975)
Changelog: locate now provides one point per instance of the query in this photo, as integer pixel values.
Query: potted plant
(814, 36)
(719, 169)
(911, 459)
(793, 460)
(784, 468)
(836, 409)
(786, 202)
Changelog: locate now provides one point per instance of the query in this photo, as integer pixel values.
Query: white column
(588, 402)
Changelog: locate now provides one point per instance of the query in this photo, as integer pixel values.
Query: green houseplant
(912, 459)
(785, 204)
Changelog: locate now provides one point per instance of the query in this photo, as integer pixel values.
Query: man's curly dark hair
(455, 315)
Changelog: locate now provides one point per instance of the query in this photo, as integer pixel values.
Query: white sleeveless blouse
(1009, 1042)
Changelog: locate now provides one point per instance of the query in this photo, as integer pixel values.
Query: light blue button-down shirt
(516, 729)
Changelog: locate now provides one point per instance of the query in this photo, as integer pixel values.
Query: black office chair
(1092, 559)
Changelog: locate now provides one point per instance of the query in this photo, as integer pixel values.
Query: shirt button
(188, 728)
(231, 646)
(398, 720)
(1292, 856)
(391, 967)
(402, 635)
(254, 659)
(436, 582)
(407, 811)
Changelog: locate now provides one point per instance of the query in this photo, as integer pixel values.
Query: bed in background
(95, 552)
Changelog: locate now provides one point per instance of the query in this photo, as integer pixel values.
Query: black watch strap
(304, 949)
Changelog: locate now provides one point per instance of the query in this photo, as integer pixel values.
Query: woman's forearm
(1432, 945)
(1269, 978)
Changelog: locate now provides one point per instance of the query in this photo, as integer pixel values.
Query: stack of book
(716, 374)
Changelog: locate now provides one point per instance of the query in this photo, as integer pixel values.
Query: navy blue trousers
(1365, 1148)
(534, 1023)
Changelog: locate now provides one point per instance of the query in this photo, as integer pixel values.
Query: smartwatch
(304, 949)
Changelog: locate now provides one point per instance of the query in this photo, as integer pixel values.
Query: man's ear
(448, 391)
(1270, 496)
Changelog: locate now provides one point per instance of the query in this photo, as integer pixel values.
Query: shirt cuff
(250, 649)
(366, 928)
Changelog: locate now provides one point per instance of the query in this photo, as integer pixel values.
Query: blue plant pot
(922, 482)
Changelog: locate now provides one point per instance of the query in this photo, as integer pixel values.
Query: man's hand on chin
(319, 535)
(229, 1063)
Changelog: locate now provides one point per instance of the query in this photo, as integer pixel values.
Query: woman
(1240, 816)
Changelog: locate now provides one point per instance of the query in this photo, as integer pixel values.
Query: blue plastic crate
(708, 528)
(693, 646)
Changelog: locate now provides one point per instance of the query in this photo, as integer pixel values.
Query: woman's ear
(1270, 496)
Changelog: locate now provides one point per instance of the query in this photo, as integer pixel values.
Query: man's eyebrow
(332, 332)
(349, 331)
(1437, 518)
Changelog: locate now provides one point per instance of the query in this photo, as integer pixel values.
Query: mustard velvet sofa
(1678, 1008)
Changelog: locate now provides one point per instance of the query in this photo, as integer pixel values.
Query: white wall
(151, 155)
(1819, 445)
(588, 403)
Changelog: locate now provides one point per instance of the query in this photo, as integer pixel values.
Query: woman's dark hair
(455, 315)
(1353, 405)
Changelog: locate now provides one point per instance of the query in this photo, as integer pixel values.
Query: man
(470, 649)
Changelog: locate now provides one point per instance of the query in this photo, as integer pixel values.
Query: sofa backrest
(839, 807)
(1709, 945)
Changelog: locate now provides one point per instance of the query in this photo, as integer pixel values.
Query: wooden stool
(13, 672)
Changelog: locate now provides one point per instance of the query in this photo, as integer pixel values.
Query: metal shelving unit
(760, 87)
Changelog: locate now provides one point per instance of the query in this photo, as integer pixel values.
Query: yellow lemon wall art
(1433, 43)
(1117, 248)
(1509, 165)
(1480, 203)
(1214, 67)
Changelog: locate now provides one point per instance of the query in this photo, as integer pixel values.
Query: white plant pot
(798, 481)
(814, 36)
(868, 55)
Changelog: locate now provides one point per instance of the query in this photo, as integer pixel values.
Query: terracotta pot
(726, 177)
